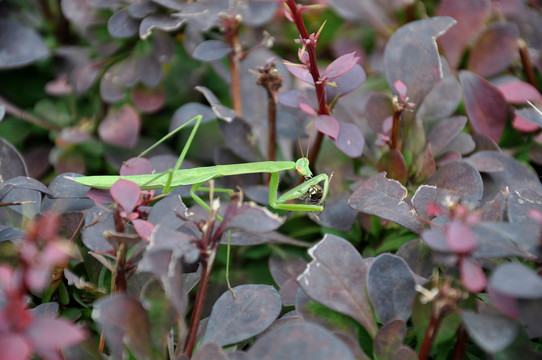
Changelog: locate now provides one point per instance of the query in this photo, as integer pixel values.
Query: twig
(28, 117)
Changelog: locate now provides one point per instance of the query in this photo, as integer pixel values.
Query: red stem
(430, 335)
(323, 108)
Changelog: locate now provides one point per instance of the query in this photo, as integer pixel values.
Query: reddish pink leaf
(49, 333)
(519, 92)
(6, 277)
(472, 275)
(299, 71)
(136, 166)
(120, 127)
(524, 125)
(485, 105)
(100, 196)
(459, 237)
(327, 125)
(14, 347)
(507, 304)
(143, 228)
(470, 16)
(495, 49)
(401, 88)
(37, 277)
(148, 100)
(126, 194)
(340, 66)
(307, 109)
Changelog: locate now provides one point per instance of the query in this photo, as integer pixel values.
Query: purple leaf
(100, 196)
(379, 108)
(470, 16)
(442, 100)
(12, 164)
(459, 237)
(285, 272)
(390, 285)
(211, 50)
(327, 125)
(221, 111)
(492, 333)
(346, 83)
(136, 166)
(234, 320)
(387, 199)
(393, 163)
(340, 66)
(20, 45)
(110, 90)
(122, 25)
(165, 22)
(350, 140)
(336, 278)
(301, 341)
(120, 127)
(444, 132)
(92, 236)
(84, 76)
(300, 72)
(519, 92)
(460, 180)
(188, 111)
(143, 228)
(148, 100)
(495, 49)
(472, 275)
(389, 338)
(505, 279)
(307, 108)
(210, 351)
(126, 194)
(403, 59)
(485, 105)
(124, 322)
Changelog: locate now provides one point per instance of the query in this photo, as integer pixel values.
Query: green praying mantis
(310, 190)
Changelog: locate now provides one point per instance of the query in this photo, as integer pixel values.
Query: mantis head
(302, 167)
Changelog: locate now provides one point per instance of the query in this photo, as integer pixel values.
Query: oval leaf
(327, 125)
(403, 61)
(251, 312)
(336, 278)
(505, 280)
(300, 341)
(121, 127)
(211, 50)
(386, 198)
(350, 140)
(495, 49)
(124, 321)
(470, 16)
(491, 332)
(485, 105)
(390, 285)
(20, 45)
(122, 25)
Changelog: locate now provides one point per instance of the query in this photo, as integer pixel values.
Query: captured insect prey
(314, 195)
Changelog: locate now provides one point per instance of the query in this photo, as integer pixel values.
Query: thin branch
(28, 117)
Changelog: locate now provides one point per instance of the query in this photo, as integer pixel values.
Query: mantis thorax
(302, 167)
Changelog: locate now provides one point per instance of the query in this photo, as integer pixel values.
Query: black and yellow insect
(314, 195)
